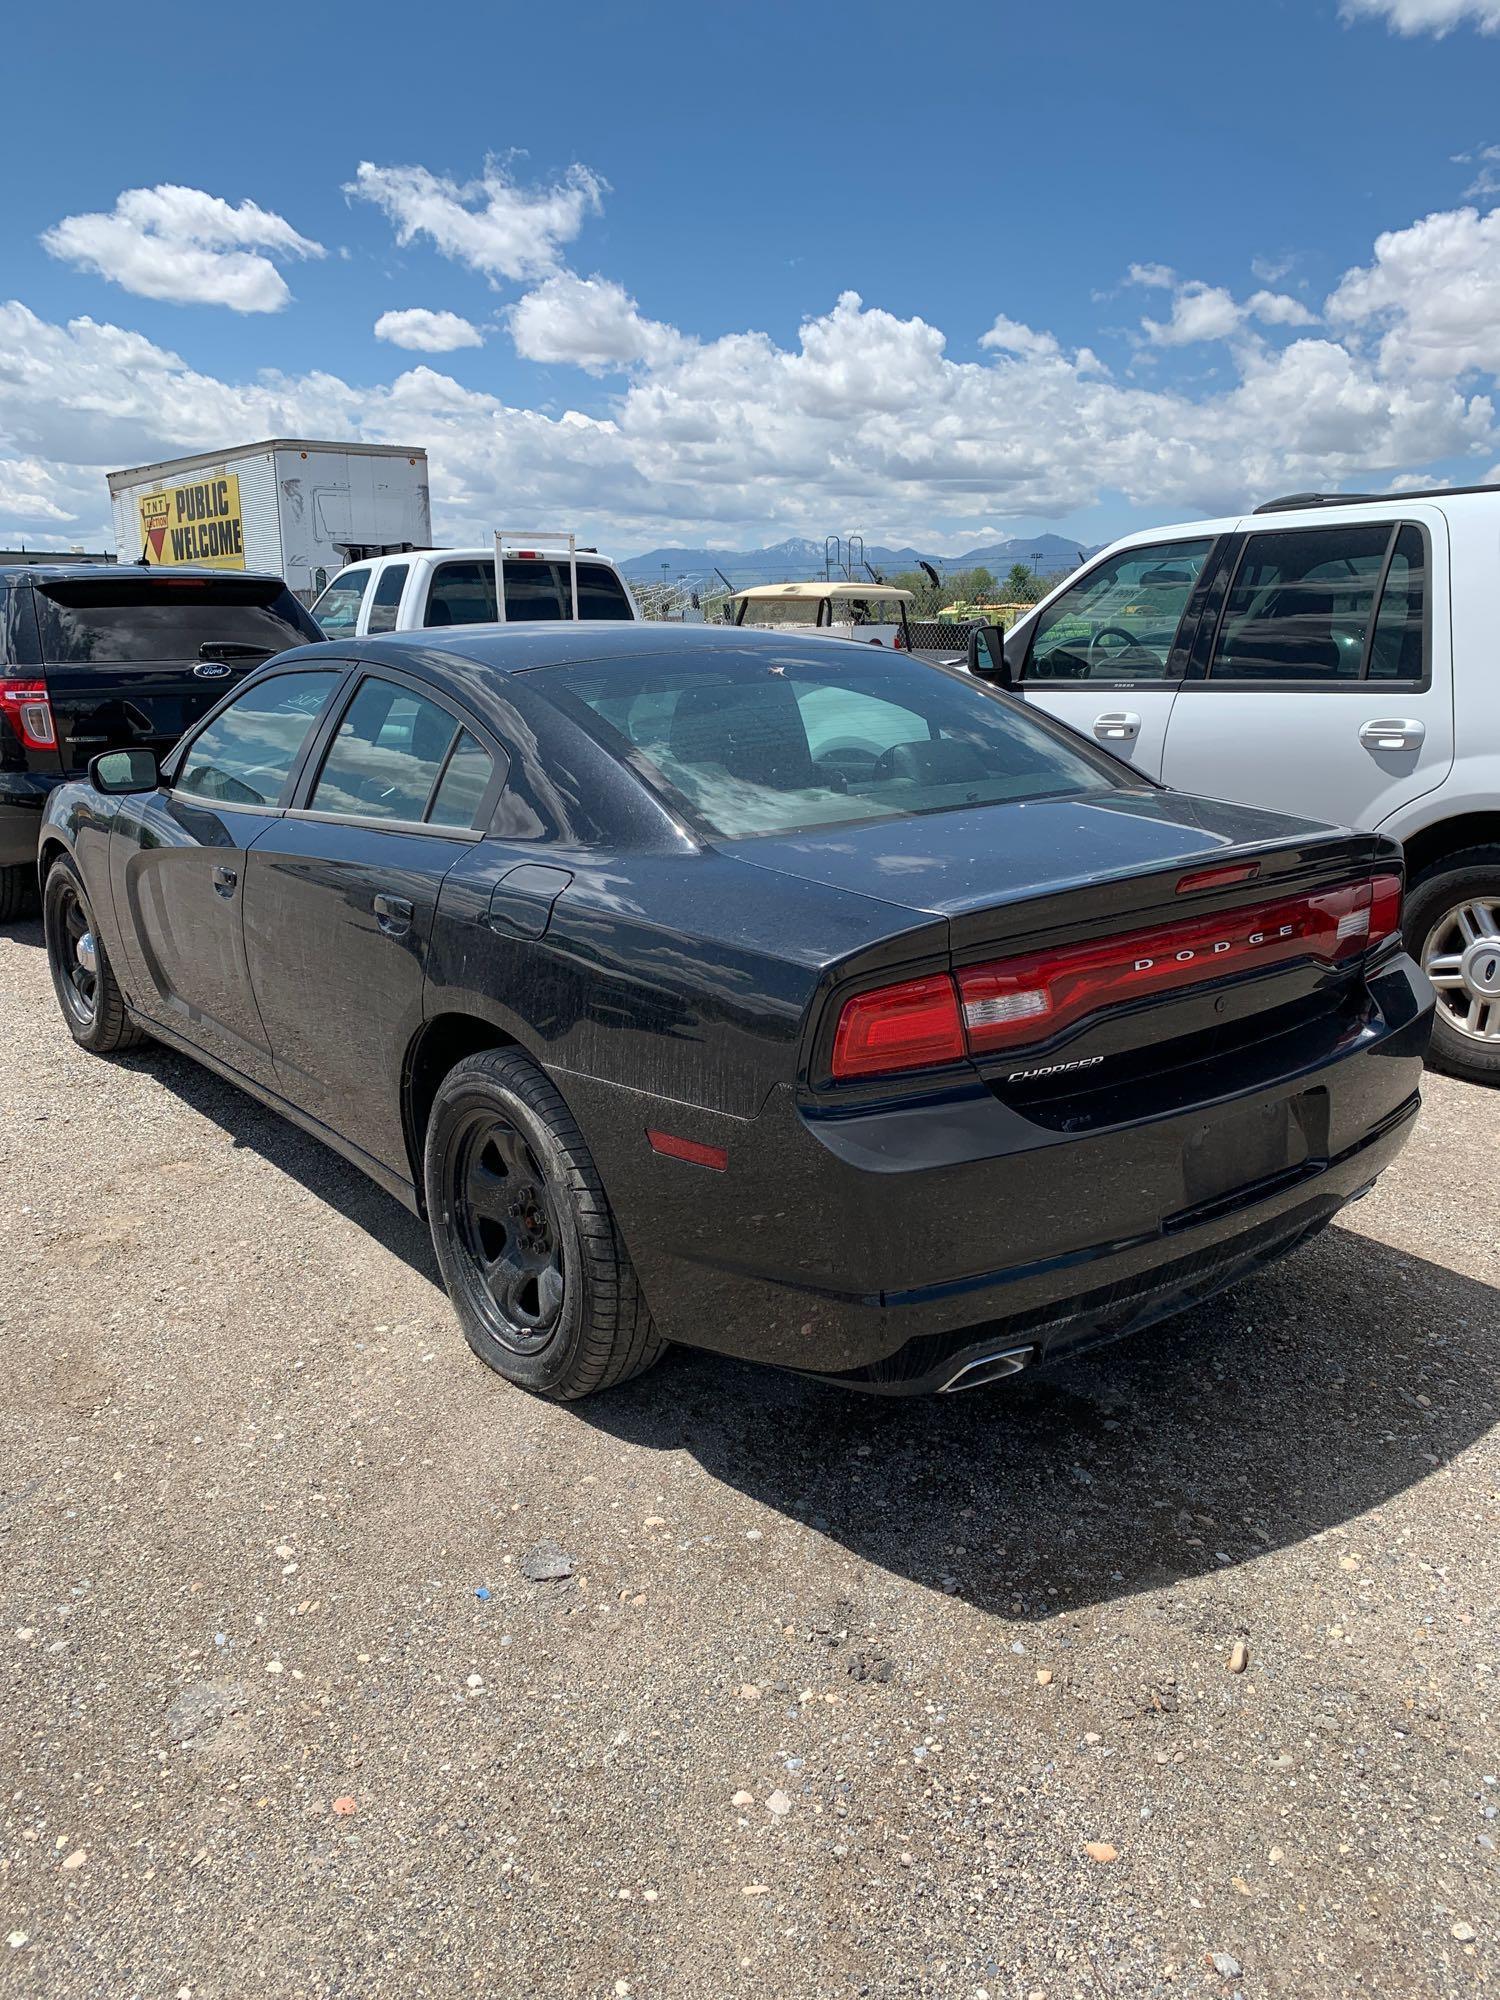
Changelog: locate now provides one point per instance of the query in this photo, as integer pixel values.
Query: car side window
(1398, 651)
(1118, 623)
(386, 755)
(386, 602)
(462, 787)
(337, 610)
(247, 753)
(1300, 607)
(462, 593)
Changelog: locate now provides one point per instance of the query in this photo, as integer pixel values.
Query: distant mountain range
(792, 560)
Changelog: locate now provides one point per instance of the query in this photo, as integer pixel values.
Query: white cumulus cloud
(186, 246)
(428, 332)
(1434, 290)
(1209, 312)
(492, 224)
(1427, 17)
(592, 323)
(862, 417)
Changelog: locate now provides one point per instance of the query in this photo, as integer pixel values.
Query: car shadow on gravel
(1307, 1395)
(317, 1167)
(25, 930)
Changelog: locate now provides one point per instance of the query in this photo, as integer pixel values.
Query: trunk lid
(134, 659)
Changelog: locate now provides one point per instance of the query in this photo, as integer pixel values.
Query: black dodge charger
(777, 996)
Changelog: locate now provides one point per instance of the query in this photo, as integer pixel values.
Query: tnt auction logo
(200, 523)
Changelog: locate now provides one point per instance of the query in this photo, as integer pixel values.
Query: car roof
(524, 648)
(473, 555)
(44, 572)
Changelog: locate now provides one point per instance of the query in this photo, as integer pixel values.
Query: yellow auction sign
(196, 523)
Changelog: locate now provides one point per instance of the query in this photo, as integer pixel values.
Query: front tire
(525, 1238)
(87, 991)
(1452, 929)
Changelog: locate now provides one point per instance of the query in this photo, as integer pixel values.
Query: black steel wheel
(524, 1234)
(91, 1001)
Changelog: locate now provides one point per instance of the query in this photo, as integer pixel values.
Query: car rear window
(784, 740)
(142, 621)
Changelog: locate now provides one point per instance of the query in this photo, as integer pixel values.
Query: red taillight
(1385, 907)
(1012, 1002)
(910, 1026)
(29, 712)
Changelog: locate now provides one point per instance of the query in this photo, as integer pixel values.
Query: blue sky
(643, 223)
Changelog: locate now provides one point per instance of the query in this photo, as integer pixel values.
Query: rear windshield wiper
(232, 649)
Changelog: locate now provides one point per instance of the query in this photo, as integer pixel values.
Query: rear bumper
(885, 1250)
(23, 798)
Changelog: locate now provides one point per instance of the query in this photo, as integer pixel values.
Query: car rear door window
(1118, 623)
(1398, 651)
(1300, 607)
(386, 756)
(386, 601)
(337, 610)
(247, 753)
(462, 787)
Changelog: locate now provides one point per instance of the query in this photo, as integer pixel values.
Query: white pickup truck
(425, 587)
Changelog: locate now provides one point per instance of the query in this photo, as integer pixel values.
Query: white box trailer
(299, 507)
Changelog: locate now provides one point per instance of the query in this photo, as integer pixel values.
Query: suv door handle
(393, 914)
(1398, 735)
(225, 880)
(1121, 727)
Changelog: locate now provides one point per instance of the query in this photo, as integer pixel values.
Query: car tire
(17, 892)
(1452, 909)
(525, 1237)
(87, 990)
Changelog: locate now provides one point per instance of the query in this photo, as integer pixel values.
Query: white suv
(1332, 655)
(422, 587)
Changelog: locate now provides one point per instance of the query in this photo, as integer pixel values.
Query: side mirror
(117, 772)
(987, 655)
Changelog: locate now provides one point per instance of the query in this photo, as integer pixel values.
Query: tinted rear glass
(776, 741)
(536, 592)
(142, 621)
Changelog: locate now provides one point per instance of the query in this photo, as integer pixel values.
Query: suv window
(144, 621)
(246, 754)
(337, 610)
(1398, 650)
(1301, 604)
(386, 602)
(386, 755)
(1120, 621)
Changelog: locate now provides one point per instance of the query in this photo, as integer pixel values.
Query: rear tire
(1452, 929)
(525, 1238)
(17, 892)
(87, 991)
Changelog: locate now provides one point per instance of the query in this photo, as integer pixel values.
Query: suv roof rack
(1289, 501)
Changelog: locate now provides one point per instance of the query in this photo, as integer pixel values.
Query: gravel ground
(839, 1698)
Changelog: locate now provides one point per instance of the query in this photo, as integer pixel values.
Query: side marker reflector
(693, 1151)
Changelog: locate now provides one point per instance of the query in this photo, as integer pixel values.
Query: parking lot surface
(835, 1697)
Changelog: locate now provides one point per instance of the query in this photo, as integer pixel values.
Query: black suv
(108, 657)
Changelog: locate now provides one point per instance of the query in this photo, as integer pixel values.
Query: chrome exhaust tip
(989, 1368)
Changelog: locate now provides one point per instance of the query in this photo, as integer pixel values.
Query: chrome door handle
(393, 914)
(1397, 735)
(225, 880)
(1119, 728)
